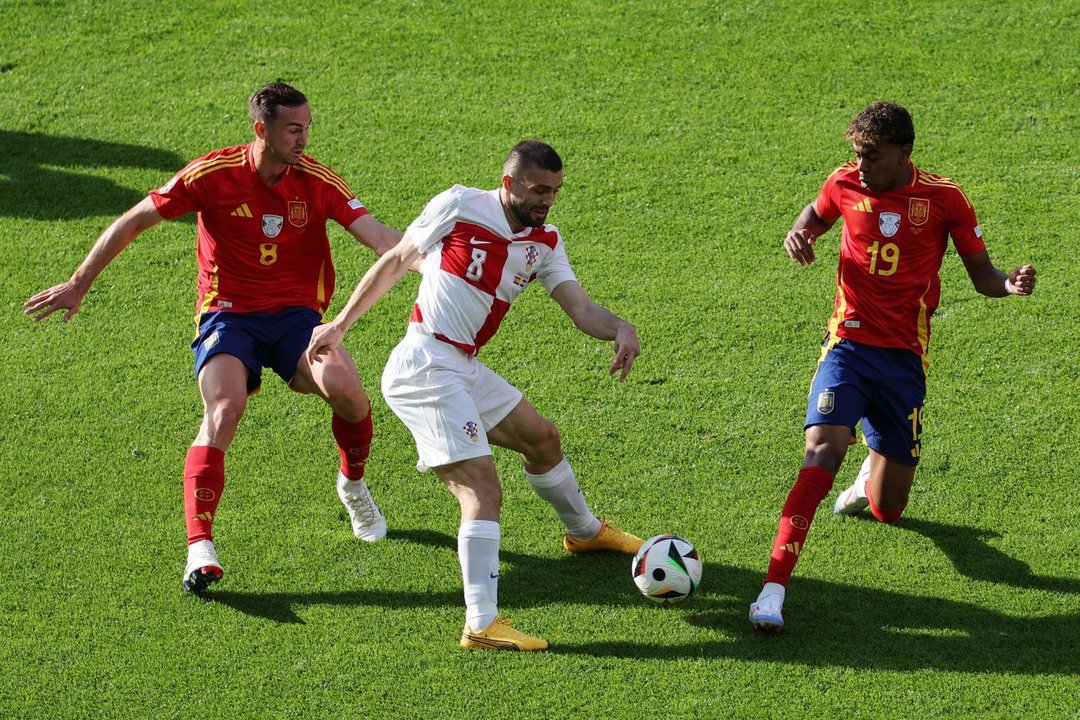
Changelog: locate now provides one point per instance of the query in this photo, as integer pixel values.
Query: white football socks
(478, 551)
(560, 488)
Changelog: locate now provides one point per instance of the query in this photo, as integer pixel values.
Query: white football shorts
(447, 398)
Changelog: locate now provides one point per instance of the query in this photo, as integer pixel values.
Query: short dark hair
(529, 154)
(265, 101)
(882, 122)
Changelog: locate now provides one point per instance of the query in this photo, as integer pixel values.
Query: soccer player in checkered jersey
(265, 278)
(480, 250)
(897, 222)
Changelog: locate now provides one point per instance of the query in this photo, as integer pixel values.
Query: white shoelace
(361, 503)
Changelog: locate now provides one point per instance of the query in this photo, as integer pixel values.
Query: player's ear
(507, 182)
(259, 126)
(905, 151)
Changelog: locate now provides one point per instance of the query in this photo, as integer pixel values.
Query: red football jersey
(891, 249)
(261, 249)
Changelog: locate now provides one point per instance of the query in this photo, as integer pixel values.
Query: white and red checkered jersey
(475, 266)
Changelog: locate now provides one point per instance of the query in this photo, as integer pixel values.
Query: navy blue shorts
(273, 340)
(883, 387)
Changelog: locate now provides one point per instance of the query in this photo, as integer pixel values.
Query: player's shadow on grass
(829, 624)
(40, 177)
(972, 557)
(837, 625)
(526, 581)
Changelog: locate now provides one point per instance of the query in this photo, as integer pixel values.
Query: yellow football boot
(610, 538)
(500, 636)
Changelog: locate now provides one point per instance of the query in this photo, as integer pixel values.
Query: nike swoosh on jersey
(477, 241)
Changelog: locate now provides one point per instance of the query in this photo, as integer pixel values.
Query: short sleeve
(175, 198)
(345, 210)
(555, 268)
(963, 227)
(826, 205)
(436, 221)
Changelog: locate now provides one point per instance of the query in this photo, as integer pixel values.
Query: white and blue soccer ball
(666, 569)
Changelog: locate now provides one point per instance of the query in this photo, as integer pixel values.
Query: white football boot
(368, 524)
(765, 611)
(853, 500)
(203, 568)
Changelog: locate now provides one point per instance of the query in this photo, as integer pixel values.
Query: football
(666, 569)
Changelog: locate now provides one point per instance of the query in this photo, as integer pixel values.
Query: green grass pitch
(693, 133)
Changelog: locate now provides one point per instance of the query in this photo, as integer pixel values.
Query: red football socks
(354, 444)
(204, 479)
(885, 516)
(810, 488)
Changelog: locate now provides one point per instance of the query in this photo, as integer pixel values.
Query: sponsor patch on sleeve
(978, 232)
(355, 204)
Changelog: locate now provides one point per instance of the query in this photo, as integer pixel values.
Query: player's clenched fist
(1022, 280)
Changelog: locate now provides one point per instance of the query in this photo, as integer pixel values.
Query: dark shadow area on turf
(39, 176)
(525, 581)
(829, 624)
(836, 625)
(967, 549)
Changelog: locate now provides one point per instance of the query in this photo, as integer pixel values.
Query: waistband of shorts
(418, 329)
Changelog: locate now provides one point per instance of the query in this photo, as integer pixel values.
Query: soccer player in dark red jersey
(265, 279)
(897, 222)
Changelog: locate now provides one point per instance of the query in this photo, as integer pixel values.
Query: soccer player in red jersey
(265, 279)
(897, 222)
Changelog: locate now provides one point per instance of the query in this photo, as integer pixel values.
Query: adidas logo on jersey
(242, 211)
(794, 547)
(862, 206)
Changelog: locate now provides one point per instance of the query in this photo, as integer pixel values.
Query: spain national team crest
(826, 401)
(272, 225)
(889, 223)
(297, 213)
(472, 430)
(918, 211)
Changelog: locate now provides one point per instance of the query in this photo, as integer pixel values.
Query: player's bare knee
(352, 406)
(491, 496)
(824, 455)
(479, 499)
(223, 416)
(545, 448)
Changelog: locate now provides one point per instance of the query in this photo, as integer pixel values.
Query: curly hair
(882, 122)
(264, 102)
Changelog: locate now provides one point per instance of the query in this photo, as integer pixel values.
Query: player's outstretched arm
(380, 238)
(369, 231)
(600, 323)
(808, 227)
(69, 295)
(990, 281)
(379, 278)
